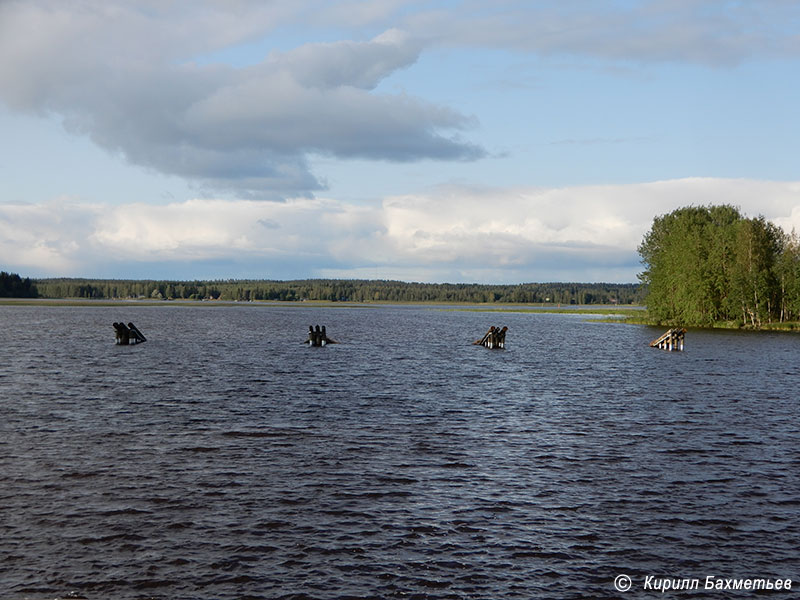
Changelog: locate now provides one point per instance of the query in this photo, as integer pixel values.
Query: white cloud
(458, 234)
(45, 238)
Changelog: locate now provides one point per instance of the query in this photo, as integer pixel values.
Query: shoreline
(601, 309)
(629, 314)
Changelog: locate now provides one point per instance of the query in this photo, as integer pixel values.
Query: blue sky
(498, 142)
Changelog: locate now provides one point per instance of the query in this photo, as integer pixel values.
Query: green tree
(13, 286)
(788, 274)
(709, 264)
(683, 274)
(755, 283)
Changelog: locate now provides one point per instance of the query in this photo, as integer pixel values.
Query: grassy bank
(635, 315)
(643, 319)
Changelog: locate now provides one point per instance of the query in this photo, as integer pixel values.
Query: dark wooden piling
(128, 334)
(136, 334)
(317, 336)
(495, 338)
(485, 337)
(670, 340)
(501, 337)
(122, 336)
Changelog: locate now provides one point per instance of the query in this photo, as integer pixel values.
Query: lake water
(225, 459)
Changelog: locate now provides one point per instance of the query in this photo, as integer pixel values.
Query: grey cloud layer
(708, 32)
(242, 129)
(121, 72)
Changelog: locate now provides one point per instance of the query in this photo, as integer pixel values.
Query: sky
(501, 141)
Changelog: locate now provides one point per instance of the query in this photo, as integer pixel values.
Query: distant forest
(14, 286)
(343, 290)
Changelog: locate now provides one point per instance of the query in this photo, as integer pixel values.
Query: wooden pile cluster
(494, 339)
(129, 334)
(318, 336)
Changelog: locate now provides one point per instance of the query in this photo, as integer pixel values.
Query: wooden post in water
(122, 335)
(484, 339)
(318, 336)
(136, 334)
(128, 334)
(495, 338)
(671, 340)
(501, 337)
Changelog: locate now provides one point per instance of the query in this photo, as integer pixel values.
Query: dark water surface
(225, 459)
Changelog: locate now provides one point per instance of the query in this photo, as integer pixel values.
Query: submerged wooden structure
(671, 340)
(128, 334)
(494, 339)
(318, 336)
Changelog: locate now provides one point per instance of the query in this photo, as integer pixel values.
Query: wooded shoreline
(343, 290)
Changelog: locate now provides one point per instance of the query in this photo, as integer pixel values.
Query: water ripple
(220, 460)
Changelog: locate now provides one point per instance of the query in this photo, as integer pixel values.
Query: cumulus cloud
(139, 79)
(452, 233)
(123, 74)
(46, 237)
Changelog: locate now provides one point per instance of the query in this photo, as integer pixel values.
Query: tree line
(14, 286)
(342, 290)
(710, 265)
